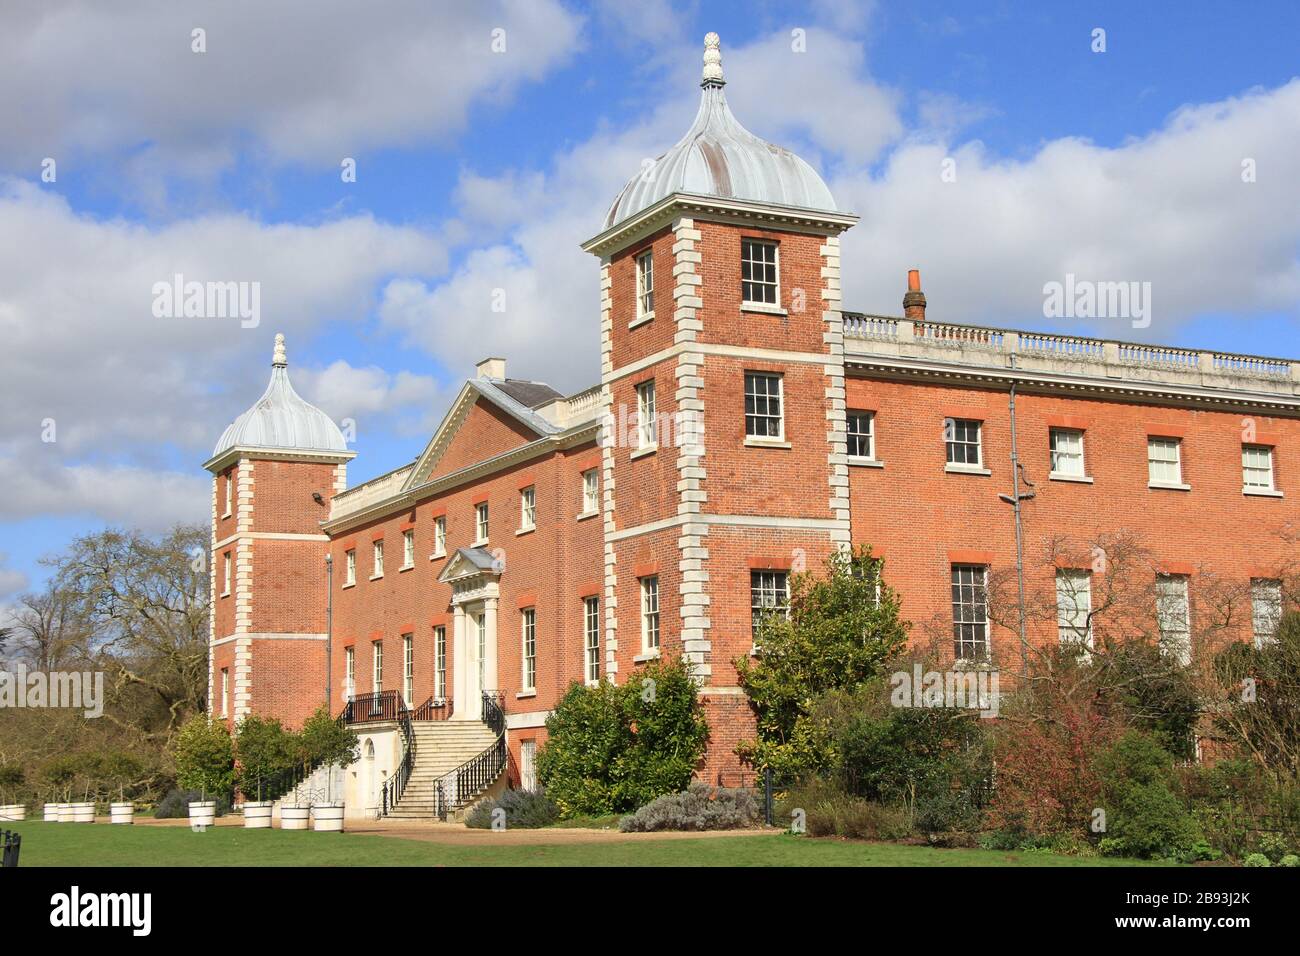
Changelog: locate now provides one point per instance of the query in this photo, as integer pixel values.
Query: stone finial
(278, 359)
(712, 61)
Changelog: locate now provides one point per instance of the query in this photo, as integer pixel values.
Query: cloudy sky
(488, 139)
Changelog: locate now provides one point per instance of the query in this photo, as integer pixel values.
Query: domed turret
(282, 419)
(719, 157)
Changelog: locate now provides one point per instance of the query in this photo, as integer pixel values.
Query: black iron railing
(494, 714)
(435, 708)
(382, 705)
(10, 844)
(453, 790)
(395, 786)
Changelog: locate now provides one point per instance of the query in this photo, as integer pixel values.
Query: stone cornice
(717, 209)
(239, 452)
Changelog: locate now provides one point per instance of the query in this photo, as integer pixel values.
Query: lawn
(72, 844)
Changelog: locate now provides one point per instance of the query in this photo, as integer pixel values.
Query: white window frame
(645, 285)
(647, 426)
(408, 548)
(769, 287)
(408, 668)
(377, 558)
(1250, 484)
(227, 572)
(591, 491)
(440, 536)
(591, 639)
(225, 692)
(970, 611)
(651, 634)
(528, 508)
(377, 666)
(350, 672)
(961, 427)
(350, 567)
(1060, 454)
(869, 435)
(440, 661)
(482, 517)
(1074, 607)
(1265, 609)
(528, 650)
(769, 593)
(765, 399)
(1174, 615)
(230, 493)
(1161, 443)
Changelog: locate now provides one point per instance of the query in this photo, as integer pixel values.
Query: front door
(480, 656)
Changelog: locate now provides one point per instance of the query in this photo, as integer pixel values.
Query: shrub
(11, 778)
(205, 759)
(524, 810)
(828, 811)
(1256, 859)
(266, 752)
(698, 807)
(1274, 846)
(1144, 816)
(613, 748)
(841, 630)
(1290, 860)
(947, 811)
(177, 804)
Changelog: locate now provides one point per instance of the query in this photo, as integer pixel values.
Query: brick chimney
(914, 301)
(491, 368)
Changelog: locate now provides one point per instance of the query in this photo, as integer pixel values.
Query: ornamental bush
(205, 757)
(613, 748)
(1145, 817)
(522, 809)
(266, 752)
(698, 807)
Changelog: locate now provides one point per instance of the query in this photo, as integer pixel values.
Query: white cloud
(1170, 209)
(310, 80)
(370, 394)
(12, 581)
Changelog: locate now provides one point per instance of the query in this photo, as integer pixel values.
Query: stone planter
(203, 814)
(65, 813)
(121, 812)
(12, 812)
(257, 814)
(294, 818)
(83, 812)
(327, 818)
(51, 813)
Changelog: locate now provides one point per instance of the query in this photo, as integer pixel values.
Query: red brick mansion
(745, 424)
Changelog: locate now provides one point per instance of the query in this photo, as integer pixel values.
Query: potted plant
(86, 781)
(58, 775)
(11, 778)
(120, 770)
(205, 761)
(325, 742)
(266, 755)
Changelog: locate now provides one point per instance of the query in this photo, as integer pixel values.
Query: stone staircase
(440, 747)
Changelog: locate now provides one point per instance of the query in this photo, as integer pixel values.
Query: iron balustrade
(377, 706)
(395, 786)
(453, 790)
(493, 713)
(435, 708)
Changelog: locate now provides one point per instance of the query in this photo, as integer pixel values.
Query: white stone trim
(697, 647)
(526, 721)
(607, 470)
(270, 536)
(837, 435)
(715, 348)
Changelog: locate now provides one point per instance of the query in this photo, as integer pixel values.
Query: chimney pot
(491, 368)
(914, 301)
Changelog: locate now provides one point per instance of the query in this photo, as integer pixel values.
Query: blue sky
(479, 170)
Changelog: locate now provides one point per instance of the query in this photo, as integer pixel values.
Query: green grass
(72, 844)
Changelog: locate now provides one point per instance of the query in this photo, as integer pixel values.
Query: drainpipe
(329, 632)
(1014, 500)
